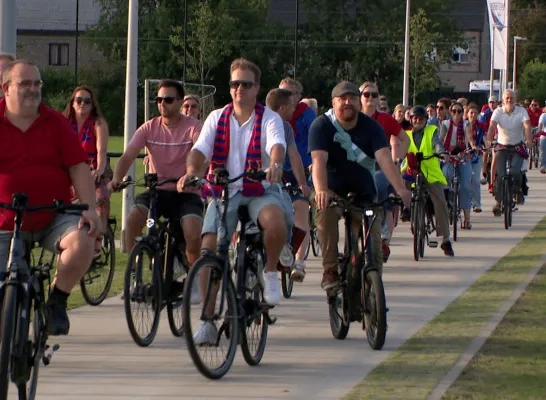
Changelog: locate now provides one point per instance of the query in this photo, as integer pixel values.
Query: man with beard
(43, 158)
(168, 139)
(344, 145)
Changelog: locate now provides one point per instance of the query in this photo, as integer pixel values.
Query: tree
(532, 82)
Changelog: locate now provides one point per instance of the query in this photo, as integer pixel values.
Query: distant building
(46, 32)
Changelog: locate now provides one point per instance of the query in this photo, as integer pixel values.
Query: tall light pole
(296, 37)
(185, 40)
(508, 29)
(516, 40)
(8, 27)
(405, 95)
(76, 47)
(130, 122)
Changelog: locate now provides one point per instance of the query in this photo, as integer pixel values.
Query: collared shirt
(510, 125)
(239, 140)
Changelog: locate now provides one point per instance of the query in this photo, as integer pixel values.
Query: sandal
(466, 225)
(497, 212)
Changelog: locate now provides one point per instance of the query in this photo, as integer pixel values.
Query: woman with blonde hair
(399, 114)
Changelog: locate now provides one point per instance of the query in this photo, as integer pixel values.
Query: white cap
(493, 98)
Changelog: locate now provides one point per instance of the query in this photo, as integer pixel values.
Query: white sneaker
(272, 288)
(286, 258)
(206, 334)
(298, 272)
(195, 296)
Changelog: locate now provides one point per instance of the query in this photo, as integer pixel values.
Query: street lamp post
(516, 40)
(405, 95)
(76, 47)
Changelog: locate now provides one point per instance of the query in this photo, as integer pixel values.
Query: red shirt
(36, 162)
(534, 115)
(388, 123)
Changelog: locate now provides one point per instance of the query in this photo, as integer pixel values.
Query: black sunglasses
(84, 100)
(367, 95)
(457, 111)
(440, 108)
(168, 100)
(244, 84)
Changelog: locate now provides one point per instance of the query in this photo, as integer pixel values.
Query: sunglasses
(84, 100)
(244, 84)
(186, 106)
(367, 95)
(457, 111)
(441, 108)
(168, 100)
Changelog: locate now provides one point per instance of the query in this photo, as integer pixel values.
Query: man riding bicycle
(344, 145)
(426, 139)
(511, 121)
(44, 159)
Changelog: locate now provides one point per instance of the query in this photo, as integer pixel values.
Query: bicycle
(534, 151)
(455, 209)
(21, 351)
(241, 303)
(163, 243)
(358, 276)
(422, 217)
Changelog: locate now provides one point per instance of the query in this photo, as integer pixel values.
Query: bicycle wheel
(254, 324)
(339, 316)
(175, 315)
(455, 213)
(37, 346)
(9, 314)
(96, 283)
(315, 245)
(418, 227)
(212, 349)
(375, 312)
(287, 284)
(308, 248)
(138, 294)
(507, 206)
(531, 157)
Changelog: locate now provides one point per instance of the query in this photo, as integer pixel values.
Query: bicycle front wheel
(211, 328)
(9, 315)
(418, 228)
(96, 283)
(142, 294)
(455, 213)
(507, 199)
(375, 312)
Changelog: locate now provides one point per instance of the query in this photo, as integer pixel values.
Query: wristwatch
(278, 165)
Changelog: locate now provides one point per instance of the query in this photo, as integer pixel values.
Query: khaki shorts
(48, 238)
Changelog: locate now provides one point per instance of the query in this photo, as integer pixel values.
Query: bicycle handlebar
(20, 200)
(350, 202)
(222, 178)
(128, 181)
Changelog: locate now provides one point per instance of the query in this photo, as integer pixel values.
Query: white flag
(497, 26)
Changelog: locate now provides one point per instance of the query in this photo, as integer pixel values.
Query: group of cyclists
(356, 146)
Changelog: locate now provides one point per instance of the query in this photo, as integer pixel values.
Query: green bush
(532, 82)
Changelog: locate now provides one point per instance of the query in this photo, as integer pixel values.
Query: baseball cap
(345, 87)
(493, 98)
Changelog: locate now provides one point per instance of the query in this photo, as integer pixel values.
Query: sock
(59, 294)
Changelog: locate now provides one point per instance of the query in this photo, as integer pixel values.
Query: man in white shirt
(512, 122)
(238, 122)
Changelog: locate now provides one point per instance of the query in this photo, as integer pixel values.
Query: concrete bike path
(302, 359)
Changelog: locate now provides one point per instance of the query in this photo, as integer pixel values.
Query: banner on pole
(497, 27)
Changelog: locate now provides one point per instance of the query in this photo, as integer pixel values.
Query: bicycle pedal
(270, 320)
(433, 244)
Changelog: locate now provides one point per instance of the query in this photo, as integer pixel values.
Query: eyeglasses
(367, 95)
(441, 108)
(457, 111)
(168, 100)
(186, 106)
(84, 100)
(27, 83)
(244, 84)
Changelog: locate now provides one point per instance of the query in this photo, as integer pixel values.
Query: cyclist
(168, 139)
(456, 139)
(344, 145)
(426, 139)
(280, 101)
(512, 122)
(88, 123)
(255, 135)
(44, 159)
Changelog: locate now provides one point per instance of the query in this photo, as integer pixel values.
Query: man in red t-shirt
(44, 159)
(399, 142)
(535, 112)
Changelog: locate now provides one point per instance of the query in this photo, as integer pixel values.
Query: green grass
(418, 365)
(512, 362)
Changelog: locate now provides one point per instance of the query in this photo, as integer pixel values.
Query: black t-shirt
(346, 176)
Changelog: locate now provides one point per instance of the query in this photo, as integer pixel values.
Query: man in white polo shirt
(512, 122)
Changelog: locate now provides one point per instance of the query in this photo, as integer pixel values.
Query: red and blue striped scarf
(253, 159)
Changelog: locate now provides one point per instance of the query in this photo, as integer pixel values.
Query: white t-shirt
(542, 120)
(239, 139)
(510, 125)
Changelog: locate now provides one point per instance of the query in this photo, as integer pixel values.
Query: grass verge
(512, 362)
(417, 366)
